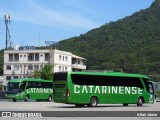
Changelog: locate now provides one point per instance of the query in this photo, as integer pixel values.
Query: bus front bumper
(12, 96)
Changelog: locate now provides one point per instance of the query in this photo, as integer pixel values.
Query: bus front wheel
(14, 100)
(27, 98)
(140, 101)
(93, 102)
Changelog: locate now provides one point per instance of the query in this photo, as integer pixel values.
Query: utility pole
(7, 20)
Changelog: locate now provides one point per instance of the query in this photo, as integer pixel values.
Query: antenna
(39, 38)
(7, 20)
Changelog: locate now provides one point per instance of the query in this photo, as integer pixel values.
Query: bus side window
(50, 85)
(47, 85)
(39, 85)
(34, 85)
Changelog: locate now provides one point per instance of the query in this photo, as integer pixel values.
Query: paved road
(6, 105)
(51, 106)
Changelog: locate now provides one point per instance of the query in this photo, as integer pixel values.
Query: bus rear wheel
(50, 98)
(14, 100)
(140, 101)
(93, 102)
(125, 104)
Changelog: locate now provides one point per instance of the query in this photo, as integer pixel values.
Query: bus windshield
(13, 87)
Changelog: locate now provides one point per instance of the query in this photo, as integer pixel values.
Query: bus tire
(79, 105)
(140, 101)
(93, 102)
(125, 104)
(50, 98)
(27, 98)
(14, 100)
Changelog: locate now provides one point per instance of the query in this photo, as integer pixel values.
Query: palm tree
(37, 74)
(47, 72)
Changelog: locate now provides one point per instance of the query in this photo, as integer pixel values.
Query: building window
(59, 68)
(15, 77)
(30, 67)
(46, 56)
(60, 57)
(20, 55)
(36, 67)
(8, 67)
(24, 55)
(36, 57)
(16, 67)
(31, 57)
(10, 57)
(16, 57)
(65, 68)
(63, 58)
(78, 61)
(8, 77)
(66, 58)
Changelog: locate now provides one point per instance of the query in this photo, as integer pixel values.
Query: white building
(2, 81)
(22, 63)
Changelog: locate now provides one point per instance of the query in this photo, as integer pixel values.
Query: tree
(45, 73)
(37, 74)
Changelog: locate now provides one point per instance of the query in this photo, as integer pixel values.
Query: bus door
(22, 87)
(151, 92)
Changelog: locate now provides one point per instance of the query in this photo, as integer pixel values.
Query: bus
(29, 89)
(92, 88)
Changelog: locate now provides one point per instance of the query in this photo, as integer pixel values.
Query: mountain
(131, 44)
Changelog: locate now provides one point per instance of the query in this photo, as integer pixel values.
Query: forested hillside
(131, 44)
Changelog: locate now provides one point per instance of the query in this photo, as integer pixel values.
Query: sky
(35, 21)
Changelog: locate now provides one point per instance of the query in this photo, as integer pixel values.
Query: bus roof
(29, 79)
(110, 74)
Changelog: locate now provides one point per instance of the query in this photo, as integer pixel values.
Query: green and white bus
(92, 88)
(29, 89)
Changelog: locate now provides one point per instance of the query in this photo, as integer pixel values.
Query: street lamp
(7, 21)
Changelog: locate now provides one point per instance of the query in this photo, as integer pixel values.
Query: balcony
(79, 66)
(13, 60)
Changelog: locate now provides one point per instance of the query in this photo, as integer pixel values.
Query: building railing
(12, 60)
(79, 66)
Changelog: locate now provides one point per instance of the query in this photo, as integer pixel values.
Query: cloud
(37, 13)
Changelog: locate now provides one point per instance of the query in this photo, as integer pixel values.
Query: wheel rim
(140, 101)
(94, 102)
(27, 98)
(50, 98)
